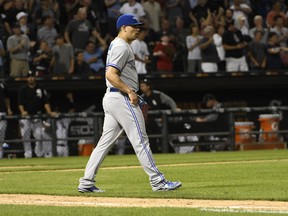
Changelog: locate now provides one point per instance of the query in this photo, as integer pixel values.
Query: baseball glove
(144, 106)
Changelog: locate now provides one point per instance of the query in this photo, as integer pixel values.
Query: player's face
(133, 31)
(31, 80)
(144, 87)
(209, 103)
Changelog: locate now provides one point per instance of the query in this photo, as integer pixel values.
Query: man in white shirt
(141, 53)
(133, 7)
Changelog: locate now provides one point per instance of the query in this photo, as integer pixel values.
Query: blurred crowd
(71, 37)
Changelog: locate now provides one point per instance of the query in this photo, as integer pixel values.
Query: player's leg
(25, 130)
(47, 143)
(131, 119)
(62, 126)
(111, 131)
(37, 129)
(3, 126)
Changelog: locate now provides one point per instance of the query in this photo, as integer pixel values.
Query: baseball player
(122, 111)
(62, 123)
(32, 98)
(4, 110)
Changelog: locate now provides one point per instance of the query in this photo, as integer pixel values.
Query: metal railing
(167, 126)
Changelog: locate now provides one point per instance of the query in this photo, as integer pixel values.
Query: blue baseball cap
(128, 20)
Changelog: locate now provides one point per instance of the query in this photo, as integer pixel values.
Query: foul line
(135, 167)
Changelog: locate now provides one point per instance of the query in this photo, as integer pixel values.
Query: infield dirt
(247, 205)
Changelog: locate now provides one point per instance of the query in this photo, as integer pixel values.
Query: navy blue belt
(114, 89)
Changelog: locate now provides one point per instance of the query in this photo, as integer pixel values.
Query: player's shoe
(93, 189)
(168, 186)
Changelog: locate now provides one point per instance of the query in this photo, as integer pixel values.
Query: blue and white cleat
(168, 186)
(93, 189)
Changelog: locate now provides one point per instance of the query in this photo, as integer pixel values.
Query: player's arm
(113, 76)
(22, 110)
(8, 106)
(49, 110)
(165, 99)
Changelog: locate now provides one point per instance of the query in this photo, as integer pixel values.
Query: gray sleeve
(119, 57)
(212, 117)
(10, 43)
(27, 43)
(165, 99)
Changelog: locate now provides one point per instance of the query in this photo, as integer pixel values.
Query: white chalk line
(243, 210)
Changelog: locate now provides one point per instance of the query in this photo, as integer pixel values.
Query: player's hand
(25, 113)
(9, 112)
(54, 114)
(133, 98)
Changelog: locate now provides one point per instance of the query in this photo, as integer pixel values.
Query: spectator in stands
(154, 13)
(207, 11)
(32, 100)
(173, 9)
(259, 26)
(257, 52)
(62, 57)
(133, 7)
(242, 10)
(113, 13)
(273, 52)
(276, 10)
(150, 39)
(194, 53)
(2, 55)
(241, 20)
(234, 44)
(209, 54)
(280, 30)
(78, 28)
(217, 38)
(164, 53)
(47, 8)
(18, 46)
(81, 66)
(47, 31)
(93, 54)
(228, 16)
(71, 7)
(10, 10)
(282, 33)
(165, 29)
(179, 34)
(5, 109)
(92, 15)
(141, 53)
(42, 59)
(26, 28)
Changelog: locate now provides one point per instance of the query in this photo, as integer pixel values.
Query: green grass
(8, 210)
(242, 175)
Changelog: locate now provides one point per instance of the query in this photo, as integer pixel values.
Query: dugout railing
(167, 130)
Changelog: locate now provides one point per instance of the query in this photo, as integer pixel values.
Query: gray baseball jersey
(120, 56)
(121, 115)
